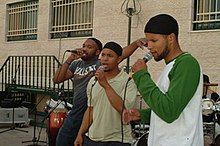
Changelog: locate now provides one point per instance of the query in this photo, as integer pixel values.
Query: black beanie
(162, 24)
(98, 43)
(114, 47)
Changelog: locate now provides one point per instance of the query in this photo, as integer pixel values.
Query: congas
(55, 121)
(141, 141)
(207, 106)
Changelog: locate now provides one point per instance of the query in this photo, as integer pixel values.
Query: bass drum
(141, 141)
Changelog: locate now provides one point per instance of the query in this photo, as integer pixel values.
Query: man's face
(109, 59)
(158, 45)
(90, 49)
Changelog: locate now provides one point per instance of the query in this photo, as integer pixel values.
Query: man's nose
(150, 46)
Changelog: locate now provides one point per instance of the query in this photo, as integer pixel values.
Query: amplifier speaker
(20, 115)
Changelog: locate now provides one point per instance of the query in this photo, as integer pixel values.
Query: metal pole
(130, 11)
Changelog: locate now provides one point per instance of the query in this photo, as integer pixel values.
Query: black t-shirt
(83, 71)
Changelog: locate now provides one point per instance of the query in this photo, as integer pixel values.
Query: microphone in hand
(147, 57)
(102, 68)
(72, 51)
(140, 65)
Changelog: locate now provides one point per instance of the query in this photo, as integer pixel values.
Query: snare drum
(207, 106)
(141, 141)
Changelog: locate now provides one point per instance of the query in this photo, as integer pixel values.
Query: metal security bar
(71, 18)
(207, 15)
(32, 74)
(22, 21)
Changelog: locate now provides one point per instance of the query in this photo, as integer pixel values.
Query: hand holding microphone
(141, 63)
(79, 51)
(100, 76)
(75, 54)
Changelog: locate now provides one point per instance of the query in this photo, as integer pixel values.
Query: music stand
(13, 109)
(34, 139)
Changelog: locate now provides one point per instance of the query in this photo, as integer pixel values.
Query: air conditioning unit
(20, 115)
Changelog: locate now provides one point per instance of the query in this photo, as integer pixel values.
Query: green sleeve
(184, 79)
(145, 115)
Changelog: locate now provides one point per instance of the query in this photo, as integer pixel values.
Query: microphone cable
(90, 99)
(123, 107)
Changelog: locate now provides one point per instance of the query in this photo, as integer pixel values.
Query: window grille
(206, 15)
(22, 21)
(71, 18)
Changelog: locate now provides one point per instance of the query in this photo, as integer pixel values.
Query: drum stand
(34, 139)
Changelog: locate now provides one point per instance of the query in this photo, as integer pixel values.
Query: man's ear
(171, 37)
(119, 59)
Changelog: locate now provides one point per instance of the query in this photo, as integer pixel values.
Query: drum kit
(210, 113)
(58, 112)
(209, 106)
(140, 131)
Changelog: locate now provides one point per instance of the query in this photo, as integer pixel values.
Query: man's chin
(158, 59)
(85, 58)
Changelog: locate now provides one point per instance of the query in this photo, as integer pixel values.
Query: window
(207, 15)
(71, 18)
(22, 21)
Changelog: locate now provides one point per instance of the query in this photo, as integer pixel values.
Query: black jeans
(89, 142)
(68, 132)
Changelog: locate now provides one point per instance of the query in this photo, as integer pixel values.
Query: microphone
(102, 68)
(147, 57)
(72, 51)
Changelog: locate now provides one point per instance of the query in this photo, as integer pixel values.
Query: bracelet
(67, 62)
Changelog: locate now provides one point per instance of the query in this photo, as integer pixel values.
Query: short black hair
(98, 43)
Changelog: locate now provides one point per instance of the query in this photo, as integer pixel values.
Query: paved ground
(15, 137)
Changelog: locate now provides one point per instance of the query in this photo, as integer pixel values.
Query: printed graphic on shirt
(85, 71)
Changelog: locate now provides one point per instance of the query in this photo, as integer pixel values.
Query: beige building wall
(110, 24)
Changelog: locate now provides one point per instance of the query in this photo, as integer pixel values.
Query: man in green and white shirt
(175, 112)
